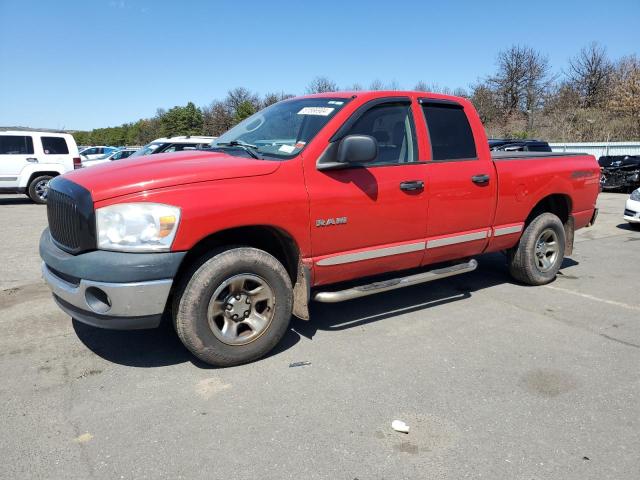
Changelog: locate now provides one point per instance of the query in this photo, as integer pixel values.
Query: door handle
(412, 185)
(481, 179)
(32, 160)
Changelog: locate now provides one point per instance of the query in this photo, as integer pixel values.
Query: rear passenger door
(16, 152)
(461, 183)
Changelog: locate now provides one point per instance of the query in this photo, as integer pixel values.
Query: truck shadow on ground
(161, 347)
(492, 270)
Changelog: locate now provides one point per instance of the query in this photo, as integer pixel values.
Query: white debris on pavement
(400, 426)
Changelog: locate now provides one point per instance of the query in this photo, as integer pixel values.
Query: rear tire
(39, 189)
(234, 306)
(538, 256)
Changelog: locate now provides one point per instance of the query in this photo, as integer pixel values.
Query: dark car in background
(518, 145)
(620, 172)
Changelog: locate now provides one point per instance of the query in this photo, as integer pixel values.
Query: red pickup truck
(325, 197)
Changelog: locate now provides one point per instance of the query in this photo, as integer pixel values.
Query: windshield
(148, 149)
(283, 129)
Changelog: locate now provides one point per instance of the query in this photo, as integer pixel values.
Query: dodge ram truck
(324, 198)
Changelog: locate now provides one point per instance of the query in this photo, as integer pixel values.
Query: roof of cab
(380, 93)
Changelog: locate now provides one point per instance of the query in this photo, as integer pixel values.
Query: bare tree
(355, 87)
(377, 84)
(486, 102)
(241, 97)
(561, 111)
(393, 85)
(521, 80)
(537, 83)
(461, 92)
(271, 98)
(421, 86)
(217, 118)
(626, 91)
(322, 85)
(509, 80)
(589, 73)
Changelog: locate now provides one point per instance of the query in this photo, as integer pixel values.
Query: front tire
(538, 256)
(234, 306)
(39, 189)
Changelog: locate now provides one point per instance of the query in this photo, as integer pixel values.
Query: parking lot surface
(496, 380)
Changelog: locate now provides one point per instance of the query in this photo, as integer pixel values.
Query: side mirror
(357, 149)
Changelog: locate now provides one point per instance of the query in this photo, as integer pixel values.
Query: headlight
(635, 195)
(137, 227)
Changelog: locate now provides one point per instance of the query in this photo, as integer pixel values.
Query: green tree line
(591, 98)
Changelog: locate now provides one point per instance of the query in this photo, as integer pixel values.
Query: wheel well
(39, 174)
(558, 204)
(270, 239)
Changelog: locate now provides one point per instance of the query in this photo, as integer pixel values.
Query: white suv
(29, 159)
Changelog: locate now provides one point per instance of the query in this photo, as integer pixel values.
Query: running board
(395, 283)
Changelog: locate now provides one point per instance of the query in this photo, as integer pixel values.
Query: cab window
(449, 131)
(392, 127)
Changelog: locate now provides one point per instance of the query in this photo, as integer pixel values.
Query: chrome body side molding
(452, 240)
(507, 230)
(370, 254)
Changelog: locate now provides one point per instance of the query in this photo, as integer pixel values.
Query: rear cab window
(450, 134)
(54, 146)
(16, 145)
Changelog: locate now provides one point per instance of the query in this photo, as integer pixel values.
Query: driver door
(371, 219)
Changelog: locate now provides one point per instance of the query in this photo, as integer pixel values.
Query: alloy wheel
(241, 309)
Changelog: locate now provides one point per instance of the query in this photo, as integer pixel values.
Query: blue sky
(95, 63)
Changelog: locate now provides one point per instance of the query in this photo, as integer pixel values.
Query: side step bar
(394, 283)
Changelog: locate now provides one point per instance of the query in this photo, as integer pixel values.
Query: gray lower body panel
(108, 321)
(110, 289)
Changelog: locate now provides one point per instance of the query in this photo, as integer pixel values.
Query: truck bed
(574, 177)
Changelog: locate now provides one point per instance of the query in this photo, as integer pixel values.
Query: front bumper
(632, 211)
(110, 289)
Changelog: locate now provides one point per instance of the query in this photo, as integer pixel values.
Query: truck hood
(137, 174)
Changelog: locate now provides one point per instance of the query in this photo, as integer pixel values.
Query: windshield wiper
(247, 147)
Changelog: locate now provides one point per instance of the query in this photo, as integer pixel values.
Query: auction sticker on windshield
(287, 148)
(321, 111)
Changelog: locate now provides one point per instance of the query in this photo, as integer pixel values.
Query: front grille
(64, 220)
(629, 213)
(71, 216)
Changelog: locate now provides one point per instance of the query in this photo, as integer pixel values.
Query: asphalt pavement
(496, 380)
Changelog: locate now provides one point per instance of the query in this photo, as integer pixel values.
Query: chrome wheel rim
(241, 309)
(42, 189)
(547, 250)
